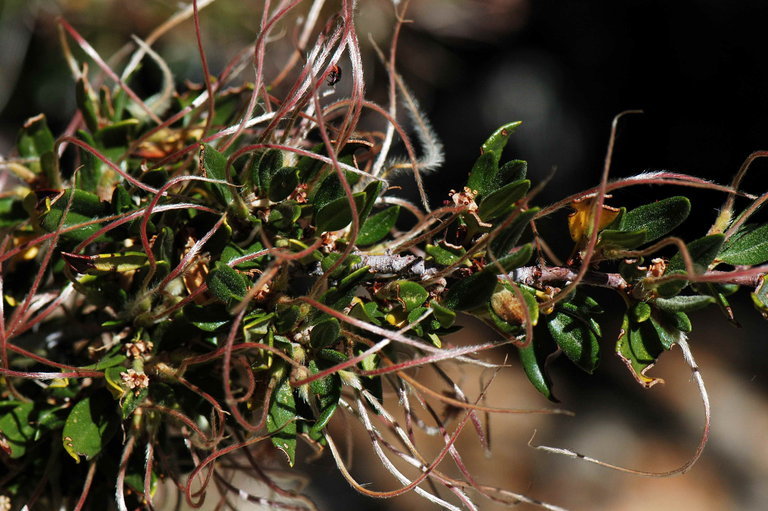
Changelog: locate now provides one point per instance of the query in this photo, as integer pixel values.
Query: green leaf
(657, 218)
(484, 172)
(207, 318)
(283, 183)
(514, 260)
(281, 420)
(577, 336)
(377, 226)
(641, 311)
(612, 239)
(506, 239)
(85, 206)
(226, 283)
(325, 333)
(131, 401)
(372, 192)
(265, 165)
(749, 246)
(444, 254)
(35, 138)
(702, 251)
(36, 141)
(760, 297)
(17, 430)
(215, 165)
(500, 202)
(445, 316)
(410, 294)
(471, 292)
(89, 426)
(337, 214)
(533, 358)
(327, 390)
(683, 303)
(513, 170)
(639, 346)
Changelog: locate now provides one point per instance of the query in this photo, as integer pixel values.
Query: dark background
(565, 68)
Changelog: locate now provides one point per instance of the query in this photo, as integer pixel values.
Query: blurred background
(565, 68)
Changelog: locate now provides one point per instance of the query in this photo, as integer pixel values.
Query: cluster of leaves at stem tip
(192, 290)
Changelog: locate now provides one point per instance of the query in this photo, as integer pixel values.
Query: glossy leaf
(483, 177)
(283, 183)
(505, 240)
(89, 426)
(749, 246)
(613, 239)
(471, 292)
(657, 218)
(444, 254)
(105, 263)
(445, 316)
(760, 297)
(281, 420)
(577, 337)
(337, 214)
(500, 202)
(639, 346)
(17, 430)
(410, 294)
(327, 390)
(325, 333)
(377, 226)
(533, 358)
(514, 260)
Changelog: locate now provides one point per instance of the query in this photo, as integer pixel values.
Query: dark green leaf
(507, 238)
(337, 214)
(471, 292)
(657, 218)
(215, 164)
(328, 392)
(226, 283)
(533, 359)
(207, 318)
(611, 239)
(702, 251)
(445, 316)
(514, 260)
(281, 420)
(513, 170)
(683, 303)
(89, 426)
(500, 202)
(283, 183)
(483, 177)
(377, 226)
(325, 333)
(638, 346)
(17, 430)
(85, 206)
(264, 166)
(749, 246)
(641, 311)
(577, 337)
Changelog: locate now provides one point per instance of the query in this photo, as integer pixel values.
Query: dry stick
(685, 467)
(87, 48)
(86, 486)
(309, 25)
(259, 47)
(206, 72)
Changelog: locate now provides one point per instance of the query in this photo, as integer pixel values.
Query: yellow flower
(581, 221)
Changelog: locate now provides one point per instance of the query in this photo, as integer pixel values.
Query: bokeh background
(697, 68)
